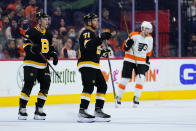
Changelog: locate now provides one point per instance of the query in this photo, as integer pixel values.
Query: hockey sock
(41, 98)
(100, 99)
(24, 98)
(85, 100)
(139, 85)
(122, 86)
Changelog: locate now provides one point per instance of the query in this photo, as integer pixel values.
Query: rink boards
(166, 79)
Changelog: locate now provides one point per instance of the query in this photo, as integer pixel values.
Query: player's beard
(93, 27)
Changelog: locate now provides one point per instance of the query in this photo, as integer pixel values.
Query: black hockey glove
(147, 63)
(35, 49)
(128, 44)
(105, 53)
(147, 60)
(55, 57)
(106, 36)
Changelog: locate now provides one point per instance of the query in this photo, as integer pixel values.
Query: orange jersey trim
(129, 56)
(149, 53)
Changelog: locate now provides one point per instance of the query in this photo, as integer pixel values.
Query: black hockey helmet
(40, 15)
(89, 17)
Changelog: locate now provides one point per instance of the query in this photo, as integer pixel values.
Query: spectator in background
(19, 14)
(107, 23)
(192, 16)
(56, 19)
(62, 23)
(1, 12)
(10, 14)
(30, 10)
(62, 33)
(12, 50)
(15, 31)
(72, 34)
(191, 47)
(15, 5)
(19, 43)
(67, 51)
(3, 37)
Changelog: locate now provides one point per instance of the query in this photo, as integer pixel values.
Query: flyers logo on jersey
(142, 46)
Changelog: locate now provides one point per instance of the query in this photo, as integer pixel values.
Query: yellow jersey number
(86, 37)
(45, 45)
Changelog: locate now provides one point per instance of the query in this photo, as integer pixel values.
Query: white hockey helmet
(146, 24)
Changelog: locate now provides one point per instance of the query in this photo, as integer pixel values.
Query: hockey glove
(35, 49)
(105, 53)
(106, 36)
(128, 44)
(147, 60)
(55, 57)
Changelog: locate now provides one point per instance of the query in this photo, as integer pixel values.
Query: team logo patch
(31, 74)
(142, 46)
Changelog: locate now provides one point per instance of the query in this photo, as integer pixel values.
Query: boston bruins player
(142, 44)
(35, 67)
(88, 64)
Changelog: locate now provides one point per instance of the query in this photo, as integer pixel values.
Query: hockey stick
(110, 67)
(126, 26)
(45, 59)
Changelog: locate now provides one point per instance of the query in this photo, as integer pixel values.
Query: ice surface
(168, 115)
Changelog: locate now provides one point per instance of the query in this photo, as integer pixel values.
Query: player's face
(44, 22)
(146, 31)
(95, 23)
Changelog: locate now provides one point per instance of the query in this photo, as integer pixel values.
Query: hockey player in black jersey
(39, 40)
(88, 65)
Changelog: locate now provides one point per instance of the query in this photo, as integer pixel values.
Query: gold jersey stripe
(88, 62)
(33, 62)
(25, 44)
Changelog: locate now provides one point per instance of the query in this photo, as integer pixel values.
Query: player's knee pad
(140, 78)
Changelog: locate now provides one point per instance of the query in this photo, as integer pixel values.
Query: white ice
(168, 115)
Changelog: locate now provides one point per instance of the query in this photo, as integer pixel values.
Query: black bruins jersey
(44, 41)
(90, 50)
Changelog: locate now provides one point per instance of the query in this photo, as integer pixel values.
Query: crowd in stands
(16, 17)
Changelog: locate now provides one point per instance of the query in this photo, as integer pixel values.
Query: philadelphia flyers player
(138, 49)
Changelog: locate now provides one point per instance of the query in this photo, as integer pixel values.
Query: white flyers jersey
(141, 48)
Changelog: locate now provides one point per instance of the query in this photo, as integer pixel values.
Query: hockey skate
(39, 114)
(100, 116)
(84, 117)
(22, 114)
(135, 102)
(118, 100)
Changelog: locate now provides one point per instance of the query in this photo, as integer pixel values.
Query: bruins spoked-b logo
(142, 46)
